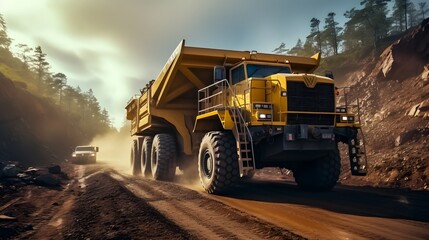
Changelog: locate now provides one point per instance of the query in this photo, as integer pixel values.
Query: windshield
(81, 149)
(261, 71)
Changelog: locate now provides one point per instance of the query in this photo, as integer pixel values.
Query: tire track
(198, 214)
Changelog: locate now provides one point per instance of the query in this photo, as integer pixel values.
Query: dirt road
(104, 203)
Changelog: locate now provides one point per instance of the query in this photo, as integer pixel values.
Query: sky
(115, 47)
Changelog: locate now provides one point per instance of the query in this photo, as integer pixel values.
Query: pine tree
(315, 33)
(60, 80)
(413, 18)
(5, 40)
(23, 55)
(41, 67)
(423, 10)
(297, 50)
(281, 49)
(370, 21)
(331, 34)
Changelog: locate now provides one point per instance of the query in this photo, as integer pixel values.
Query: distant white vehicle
(85, 154)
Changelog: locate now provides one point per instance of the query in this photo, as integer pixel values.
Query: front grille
(303, 99)
(310, 119)
(317, 99)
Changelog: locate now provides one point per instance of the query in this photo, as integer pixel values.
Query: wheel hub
(207, 164)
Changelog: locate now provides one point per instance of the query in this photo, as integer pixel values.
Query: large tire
(163, 157)
(135, 158)
(218, 162)
(145, 156)
(321, 174)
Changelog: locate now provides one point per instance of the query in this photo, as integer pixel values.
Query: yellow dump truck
(225, 113)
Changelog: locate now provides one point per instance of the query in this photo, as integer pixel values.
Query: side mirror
(219, 73)
(96, 149)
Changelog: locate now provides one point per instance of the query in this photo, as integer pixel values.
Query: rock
(412, 112)
(393, 175)
(419, 110)
(55, 169)
(425, 73)
(10, 170)
(31, 170)
(25, 177)
(47, 180)
(397, 141)
(7, 218)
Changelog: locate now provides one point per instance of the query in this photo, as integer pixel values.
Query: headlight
(347, 118)
(284, 93)
(341, 110)
(73, 154)
(92, 154)
(264, 116)
(262, 106)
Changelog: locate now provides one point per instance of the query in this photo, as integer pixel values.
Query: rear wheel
(135, 158)
(321, 174)
(163, 157)
(218, 162)
(145, 156)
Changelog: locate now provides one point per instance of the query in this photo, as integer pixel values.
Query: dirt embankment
(394, 94)
(32, 130)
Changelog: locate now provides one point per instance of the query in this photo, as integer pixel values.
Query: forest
(366, 30)
(28, 67)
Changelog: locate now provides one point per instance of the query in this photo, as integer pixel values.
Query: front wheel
(320, 174)
(218, 162)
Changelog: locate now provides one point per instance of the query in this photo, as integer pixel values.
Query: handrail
(225, 86)
(346, 91)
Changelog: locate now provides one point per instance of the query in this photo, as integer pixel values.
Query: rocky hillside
(32, 130)
(394, 94)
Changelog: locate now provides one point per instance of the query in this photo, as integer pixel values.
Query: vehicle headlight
(347, 118)
(284, 93)
(262, 106)
(73, 154)
(92, 154)
(341, 110)
(264, 116)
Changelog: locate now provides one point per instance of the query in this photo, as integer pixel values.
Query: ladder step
(245, 150)
(245, 159)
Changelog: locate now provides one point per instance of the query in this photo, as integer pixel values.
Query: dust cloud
(114, 150)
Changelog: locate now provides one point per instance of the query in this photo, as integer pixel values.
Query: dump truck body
(271, 107)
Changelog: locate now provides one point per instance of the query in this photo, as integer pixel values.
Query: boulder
(419, 110)
(10, 170)
(406, 57)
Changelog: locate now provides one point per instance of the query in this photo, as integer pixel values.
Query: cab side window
(238, 74)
